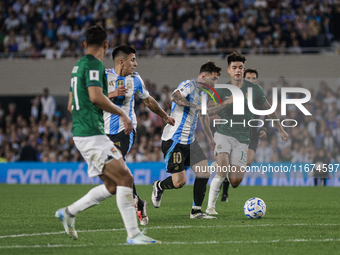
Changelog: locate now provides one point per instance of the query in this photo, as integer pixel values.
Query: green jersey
(87, 118)
(237, 125)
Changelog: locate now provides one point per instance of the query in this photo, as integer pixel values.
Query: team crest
(113, 150)
(219, 146)
(128, 84)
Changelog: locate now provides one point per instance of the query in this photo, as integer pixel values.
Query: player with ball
(232, 141)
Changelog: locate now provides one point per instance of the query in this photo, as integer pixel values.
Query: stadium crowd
(53, 29)
(46, 137)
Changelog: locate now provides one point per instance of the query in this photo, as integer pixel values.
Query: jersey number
(244, 156)
(74, 82)
(177, 156)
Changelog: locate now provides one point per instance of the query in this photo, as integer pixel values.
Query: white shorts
(97, 151)
(237, 151)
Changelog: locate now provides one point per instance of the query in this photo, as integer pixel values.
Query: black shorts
(182, 155)
(122, 141)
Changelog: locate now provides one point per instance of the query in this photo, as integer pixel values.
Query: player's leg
(117, 171)
(175, 181)
(225, 190)
(174, 155)
(238, 161)
(88, 147)
(105, 161)
(123, 143)
(222, 160)
(250, 159)
(200, 186)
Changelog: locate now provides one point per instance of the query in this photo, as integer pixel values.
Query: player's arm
(276, 121)
(205, 121)
(177, 98)
(101, 101)
(152, 104)
(69, 103)
(212, 109)
(263, 130)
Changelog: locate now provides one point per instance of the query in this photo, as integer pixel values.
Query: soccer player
(232, 140)
(123, 85)
(249, 75)
(179, 145)
(89, 99)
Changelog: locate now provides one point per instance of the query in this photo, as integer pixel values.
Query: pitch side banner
(266, 174)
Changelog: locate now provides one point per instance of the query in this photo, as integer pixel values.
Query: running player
(249, 75)
(89, 99)
(180, 148)
(232, 140)
(123, 85)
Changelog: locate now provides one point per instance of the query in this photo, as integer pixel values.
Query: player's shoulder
(250, 84)
(135, 74)
(136, 77)
(186, 84)
(109, 72)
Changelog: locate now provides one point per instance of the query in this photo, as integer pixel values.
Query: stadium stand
(55, 29)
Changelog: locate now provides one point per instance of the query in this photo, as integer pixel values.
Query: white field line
(170, 227)
(173, 243)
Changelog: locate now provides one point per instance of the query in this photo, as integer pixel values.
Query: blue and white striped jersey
(134, 83)
(185, 117)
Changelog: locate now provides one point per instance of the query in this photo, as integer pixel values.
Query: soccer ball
(254, 208)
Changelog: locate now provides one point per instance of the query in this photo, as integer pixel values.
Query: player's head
(209, 73)
(236, 65)
(124, 58)
(251, 75)
(95, 36)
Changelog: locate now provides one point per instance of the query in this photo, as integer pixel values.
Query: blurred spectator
(28, 153)
(36, 107)
(256, 27)
(321, 162)
(48, 104)
(134, 155)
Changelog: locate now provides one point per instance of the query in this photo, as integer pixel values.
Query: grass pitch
(299, 220)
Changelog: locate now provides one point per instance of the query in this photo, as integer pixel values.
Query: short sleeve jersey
(183, 131)
(87, 118)
(235, 127)
(135, 85)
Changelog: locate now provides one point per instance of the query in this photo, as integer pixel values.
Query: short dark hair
(235, 57)
(251, 70)
(122, 50)
(95, 35)
(210, 67)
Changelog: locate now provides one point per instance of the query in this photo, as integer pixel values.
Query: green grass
(299, 220)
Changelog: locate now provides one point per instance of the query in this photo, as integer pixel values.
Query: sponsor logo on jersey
(120, 83)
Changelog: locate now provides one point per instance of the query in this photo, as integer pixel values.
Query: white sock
(93, 197)
(125, 205)
(215, 187)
